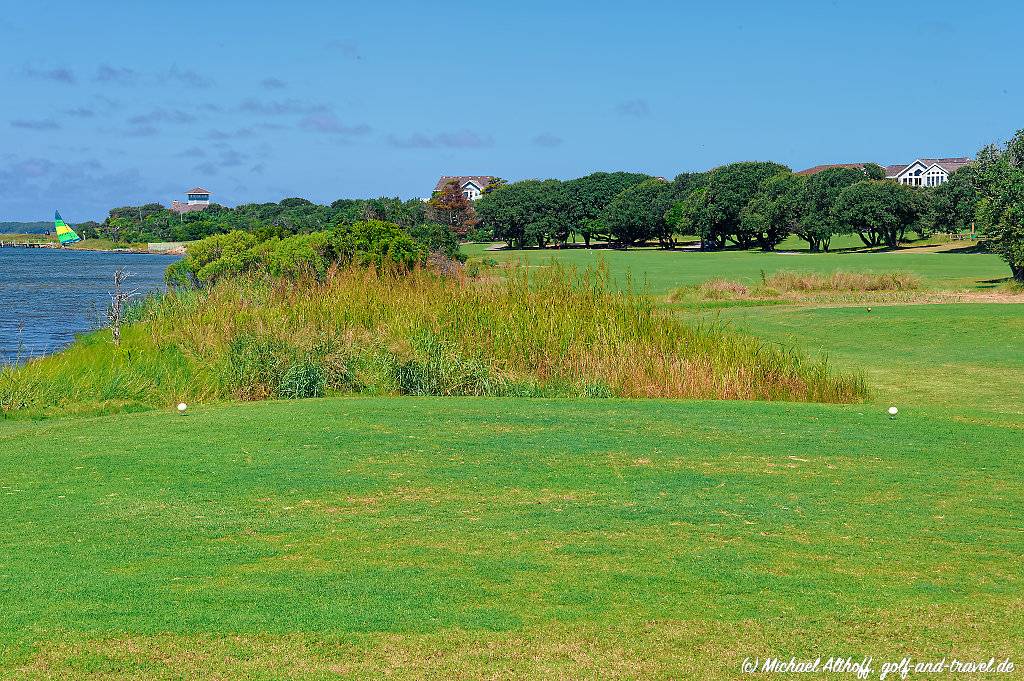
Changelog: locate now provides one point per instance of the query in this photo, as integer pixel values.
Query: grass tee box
(477, 537)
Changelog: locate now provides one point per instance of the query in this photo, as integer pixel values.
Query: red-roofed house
(472, 186)
(198, 199)
(926, 172)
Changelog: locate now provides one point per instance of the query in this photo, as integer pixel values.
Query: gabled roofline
(924, 166)
(911, 165)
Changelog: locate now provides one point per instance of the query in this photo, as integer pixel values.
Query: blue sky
(115, 103)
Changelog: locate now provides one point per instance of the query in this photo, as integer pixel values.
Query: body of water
(47, 295)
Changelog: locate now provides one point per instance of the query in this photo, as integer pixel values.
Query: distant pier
(26, 244)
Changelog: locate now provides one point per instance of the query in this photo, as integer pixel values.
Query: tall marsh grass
(546, 332)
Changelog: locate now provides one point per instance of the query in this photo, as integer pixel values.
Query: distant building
(472, 186)
(926, 172)
(828, 166)
(198, 199)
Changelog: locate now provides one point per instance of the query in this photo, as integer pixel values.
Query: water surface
(47, 295)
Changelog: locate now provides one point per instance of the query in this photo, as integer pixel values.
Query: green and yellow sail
(65, 234)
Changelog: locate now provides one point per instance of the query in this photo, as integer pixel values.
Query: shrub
(300, 255)
(438, 238)
(378, 244)
(373, 243)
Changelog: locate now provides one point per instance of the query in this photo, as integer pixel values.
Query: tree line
(154, 222)
(744, 205)
(750, 204)
(758, 204)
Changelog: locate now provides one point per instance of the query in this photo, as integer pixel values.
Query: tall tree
(524, 212)
(880, 212)
(775, 210)
(638, 214)
(450, 207)
(493, 184)
(1001, 207)
(818, 222)
(587, 197)
(954, 202)
(715, 210)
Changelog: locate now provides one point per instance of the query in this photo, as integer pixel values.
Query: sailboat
(65, 234)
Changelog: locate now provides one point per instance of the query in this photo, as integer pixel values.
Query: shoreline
(177, 250)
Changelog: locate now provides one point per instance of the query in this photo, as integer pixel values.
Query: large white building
(926, 172)
(472, 186)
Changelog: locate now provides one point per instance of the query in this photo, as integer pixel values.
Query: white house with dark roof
(472, 186)
(198, 199)
(926, 172)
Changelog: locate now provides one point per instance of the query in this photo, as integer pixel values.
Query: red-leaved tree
(449, 207)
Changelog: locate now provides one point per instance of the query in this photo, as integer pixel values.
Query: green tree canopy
(638, 213)
(525, 212)
(714, 211)
(587, 197)
(873, 171)
(775, 211)
(818, 221)
(954, 202)
(879, 211)
(1000, 212)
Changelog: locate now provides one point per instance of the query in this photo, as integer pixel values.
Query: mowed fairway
(659, 271)
(969, 356)
(454, 537)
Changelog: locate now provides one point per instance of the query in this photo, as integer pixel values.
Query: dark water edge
(48, 295)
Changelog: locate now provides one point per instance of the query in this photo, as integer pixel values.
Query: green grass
(964, 355)
(661, 271)
(529, 538)
(466, 537)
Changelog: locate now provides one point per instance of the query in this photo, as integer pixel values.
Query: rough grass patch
(785, 281)
(723, 289)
